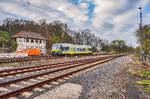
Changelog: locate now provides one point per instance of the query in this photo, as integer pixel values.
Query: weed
(137, 63)
(127, 65)
(133, 73)
(143, 82)
(148, 89)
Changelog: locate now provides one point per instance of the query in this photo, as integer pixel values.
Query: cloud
(117, 19)
(84, 5)
(110, 19)
(48, 9)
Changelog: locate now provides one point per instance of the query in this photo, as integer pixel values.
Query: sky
(108, 19)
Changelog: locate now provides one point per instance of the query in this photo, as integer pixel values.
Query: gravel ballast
(98, 83)
(97, 76)
(65, 91)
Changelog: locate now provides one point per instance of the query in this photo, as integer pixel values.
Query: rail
(59, 73)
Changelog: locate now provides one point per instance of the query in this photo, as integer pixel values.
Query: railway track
(31, 58)
(28, 78)
(28, 58)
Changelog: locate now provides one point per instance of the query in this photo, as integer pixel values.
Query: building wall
(25, 43)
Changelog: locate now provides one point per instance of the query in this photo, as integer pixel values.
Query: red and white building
(30, 40)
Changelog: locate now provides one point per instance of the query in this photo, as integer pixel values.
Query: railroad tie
(26, 94)
(40, 78)
(46, 86)
(46, 76)
(38, 89)
(66, 78)
(60, 80)
(14, 85)
(54, 83)
(4, 89)
(27, 83)
(13, 98)
(34, 80)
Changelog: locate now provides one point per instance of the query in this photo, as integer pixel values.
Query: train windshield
(55, 46)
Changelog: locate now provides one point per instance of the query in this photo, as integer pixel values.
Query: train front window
(55, 47)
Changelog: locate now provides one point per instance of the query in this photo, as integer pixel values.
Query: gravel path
(132, 90)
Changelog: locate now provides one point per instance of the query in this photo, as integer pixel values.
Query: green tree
(143, 36)
(4, 38)
(119, 46)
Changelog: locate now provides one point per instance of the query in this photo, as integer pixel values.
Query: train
(70, 49)
(61, 49)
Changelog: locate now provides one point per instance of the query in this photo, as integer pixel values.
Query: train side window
(80, 49)
(90, 49)
(65, 48)
(83, 49)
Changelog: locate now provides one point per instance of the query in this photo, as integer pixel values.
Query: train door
(86, 50)
(60, 50)
(71, 49)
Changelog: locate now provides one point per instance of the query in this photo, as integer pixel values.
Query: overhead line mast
(141, 15)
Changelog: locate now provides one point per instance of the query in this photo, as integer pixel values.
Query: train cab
(70, 49)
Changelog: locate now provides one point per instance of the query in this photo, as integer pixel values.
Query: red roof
(25, 34)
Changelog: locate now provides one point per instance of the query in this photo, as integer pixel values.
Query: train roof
(69, 44)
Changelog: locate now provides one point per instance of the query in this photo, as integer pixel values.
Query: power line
(42, 9)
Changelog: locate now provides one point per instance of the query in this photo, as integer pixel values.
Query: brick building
(30, 40)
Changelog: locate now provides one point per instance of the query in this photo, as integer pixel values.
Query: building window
(40, 41)
(27, 40)
(32, 40)
(36, 41)
(44, 41)
(27, 46)
(20, 39)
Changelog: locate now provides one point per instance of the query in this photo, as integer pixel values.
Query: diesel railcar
(70, 49)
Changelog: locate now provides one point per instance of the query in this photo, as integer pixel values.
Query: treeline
(143, 35)
(57, 32)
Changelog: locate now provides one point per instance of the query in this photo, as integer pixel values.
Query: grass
(143, 82)
(145, 73)
(133, 73)
(147, 89)
(10, 65)
(127, 65)
(136, 56)
(137, 63)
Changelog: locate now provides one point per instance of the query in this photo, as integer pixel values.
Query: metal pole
(140, 28)
(141, 17)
